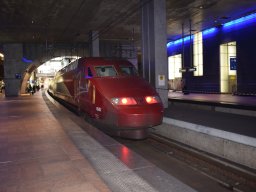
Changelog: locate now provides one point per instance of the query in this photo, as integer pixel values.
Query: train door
(84, 86)
(79, 88)
(77, 82)
(228, 77)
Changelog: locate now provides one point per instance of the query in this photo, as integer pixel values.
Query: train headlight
(124, 101)
(152, 99)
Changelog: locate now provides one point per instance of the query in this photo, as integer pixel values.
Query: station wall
(243, 34)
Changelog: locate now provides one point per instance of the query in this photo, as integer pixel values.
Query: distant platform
(223, 100)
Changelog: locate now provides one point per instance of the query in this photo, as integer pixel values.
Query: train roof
(101, 61)
(93, 61)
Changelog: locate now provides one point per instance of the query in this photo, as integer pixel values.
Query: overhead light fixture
(237, 22)
(240, 21)
(25, 60)
(209, 31)
(179, 41)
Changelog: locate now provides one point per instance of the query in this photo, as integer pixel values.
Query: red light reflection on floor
(125, 153)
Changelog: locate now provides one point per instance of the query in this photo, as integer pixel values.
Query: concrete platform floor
(36, 154)
(230, 99)
(45, 147)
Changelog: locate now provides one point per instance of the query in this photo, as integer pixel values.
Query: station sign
(187, 69)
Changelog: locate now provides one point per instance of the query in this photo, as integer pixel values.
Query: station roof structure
(38, 21)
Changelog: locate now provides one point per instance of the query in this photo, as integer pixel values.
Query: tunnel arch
(42, 57)
(32, 67)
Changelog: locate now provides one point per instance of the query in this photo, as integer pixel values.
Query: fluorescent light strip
(241, 20)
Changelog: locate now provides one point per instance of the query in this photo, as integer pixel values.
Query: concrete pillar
(13, 68)
(154, 51)
(95, 47)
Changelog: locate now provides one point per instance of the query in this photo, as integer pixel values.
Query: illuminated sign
(187, 69)
(232, 63)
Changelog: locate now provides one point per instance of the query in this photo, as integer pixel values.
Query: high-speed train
(111, 92)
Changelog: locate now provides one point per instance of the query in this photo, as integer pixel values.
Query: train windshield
(105, 71)
(128, 70)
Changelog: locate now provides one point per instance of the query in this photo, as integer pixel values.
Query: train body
(111, 92)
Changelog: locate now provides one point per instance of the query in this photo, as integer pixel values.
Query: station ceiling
(70, 21)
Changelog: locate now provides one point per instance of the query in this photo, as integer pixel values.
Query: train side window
(128, 70)
(105, 71)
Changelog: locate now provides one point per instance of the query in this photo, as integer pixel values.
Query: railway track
(227, 175)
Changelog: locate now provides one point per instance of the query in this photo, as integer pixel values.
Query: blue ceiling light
(209, 31)
(169, 44)
(241, 21)
(179, 41)
(186, 39)
(26, 60)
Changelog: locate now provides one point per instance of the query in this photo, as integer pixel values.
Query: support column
(94, 47)
(154, 51)
(13, 68)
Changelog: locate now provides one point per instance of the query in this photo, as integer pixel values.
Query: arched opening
(39, 75)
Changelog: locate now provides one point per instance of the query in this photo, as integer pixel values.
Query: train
(110, 92)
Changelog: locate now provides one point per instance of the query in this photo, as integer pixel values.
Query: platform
(35, 152)
(216, 100)
(235, 114)
(222, 125)
(47, 148)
